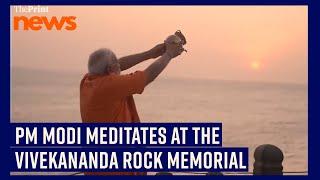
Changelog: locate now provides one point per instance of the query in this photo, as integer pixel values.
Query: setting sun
(255, 65)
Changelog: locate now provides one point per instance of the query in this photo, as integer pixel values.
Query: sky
(245, 43)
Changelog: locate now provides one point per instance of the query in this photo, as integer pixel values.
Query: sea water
(252, 113)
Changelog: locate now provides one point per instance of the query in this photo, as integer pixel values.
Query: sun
(255, 65)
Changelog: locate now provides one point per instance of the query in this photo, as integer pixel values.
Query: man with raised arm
(106, 95)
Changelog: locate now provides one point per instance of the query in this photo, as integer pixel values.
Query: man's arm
(131, 60)
(157, 67)
(172, 51)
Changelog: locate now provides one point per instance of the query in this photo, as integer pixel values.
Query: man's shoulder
(112, 79)
(94, 77)
(90, 80)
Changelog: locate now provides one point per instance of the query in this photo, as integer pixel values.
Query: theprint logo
(37, 23)
(38, 20)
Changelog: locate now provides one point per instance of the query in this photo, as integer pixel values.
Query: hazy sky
(252, 43)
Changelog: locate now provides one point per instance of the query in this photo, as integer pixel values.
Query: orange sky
(251, 43)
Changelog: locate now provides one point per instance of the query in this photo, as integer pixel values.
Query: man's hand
(157, 51)
(173, 49)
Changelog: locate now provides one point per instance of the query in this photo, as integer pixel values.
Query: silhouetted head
(103, 61)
